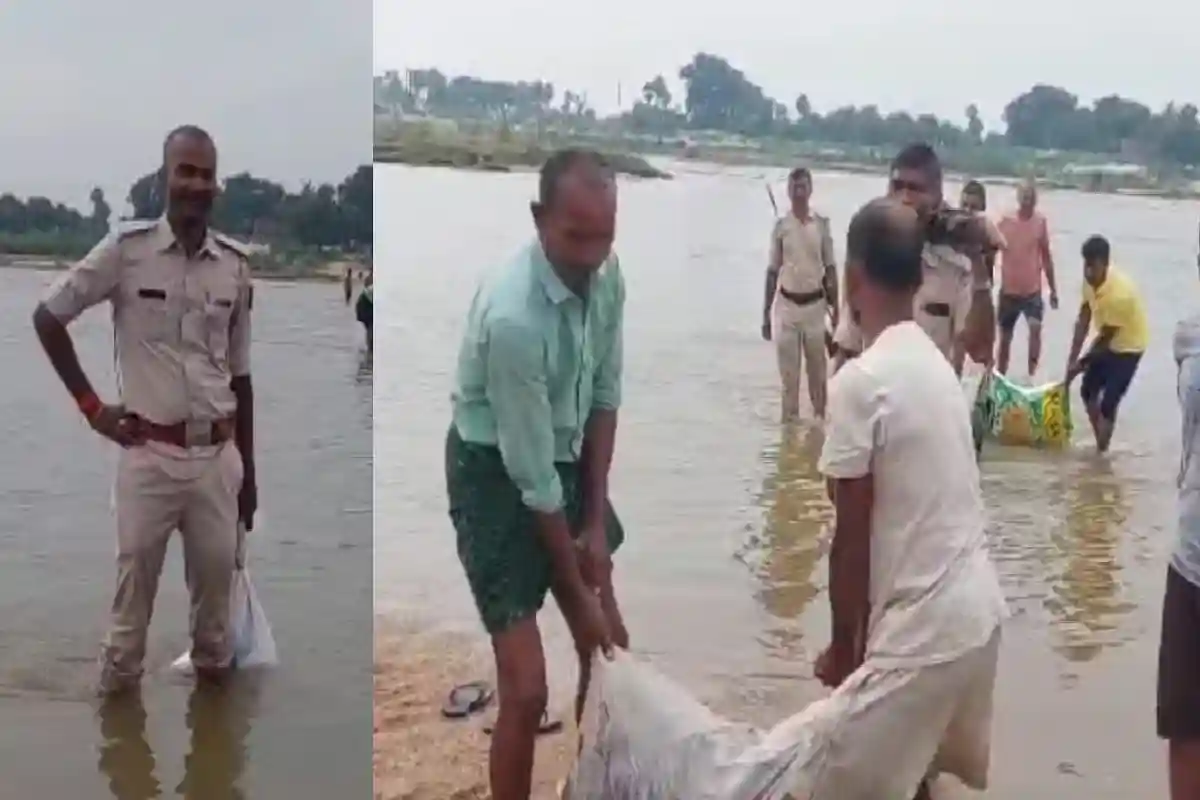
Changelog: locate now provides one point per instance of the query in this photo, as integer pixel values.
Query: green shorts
(507, 567)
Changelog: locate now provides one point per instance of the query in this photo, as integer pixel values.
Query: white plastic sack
(644, 737)
(253, 642)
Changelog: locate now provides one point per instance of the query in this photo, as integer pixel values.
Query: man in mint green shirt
(527, 458)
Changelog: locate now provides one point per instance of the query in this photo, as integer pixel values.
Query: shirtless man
(1026, 259)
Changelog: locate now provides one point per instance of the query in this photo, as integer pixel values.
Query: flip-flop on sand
(467, 699)
(549, 725)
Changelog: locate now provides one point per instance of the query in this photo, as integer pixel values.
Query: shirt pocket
(151, 315)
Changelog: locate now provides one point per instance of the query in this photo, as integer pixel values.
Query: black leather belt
(937, 309)
(802, 298)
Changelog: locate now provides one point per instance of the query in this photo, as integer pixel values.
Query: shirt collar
(555, 289)
(165, 241)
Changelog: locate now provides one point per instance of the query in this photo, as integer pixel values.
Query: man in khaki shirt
(801, 287)
(955, 291)
(181, 297)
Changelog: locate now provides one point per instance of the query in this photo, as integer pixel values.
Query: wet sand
(418, 754)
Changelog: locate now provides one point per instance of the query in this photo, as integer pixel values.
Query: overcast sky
(921, 55)
(91, 88)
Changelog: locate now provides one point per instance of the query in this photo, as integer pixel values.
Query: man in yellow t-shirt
(1112, 305)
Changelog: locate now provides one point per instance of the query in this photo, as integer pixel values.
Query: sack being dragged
(1038, 416)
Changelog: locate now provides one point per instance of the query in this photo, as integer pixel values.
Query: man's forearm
(849, 600)
(1081, 329)
(769, 294)
(60, 350)
(831, 287)
(599, 442)
(1050, 279)
(243, 391)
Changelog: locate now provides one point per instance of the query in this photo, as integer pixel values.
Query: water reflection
(218, 719)
(366, 367)
(797, 512)
(1085, 599)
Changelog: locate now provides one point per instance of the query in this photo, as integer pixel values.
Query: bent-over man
(915, 599)
(528, 453)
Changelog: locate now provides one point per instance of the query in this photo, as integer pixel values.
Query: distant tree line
(719, 97)
(249, 208)
(428, 91)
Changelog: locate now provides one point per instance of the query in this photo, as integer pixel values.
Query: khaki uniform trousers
(159, 489)
(799, 335)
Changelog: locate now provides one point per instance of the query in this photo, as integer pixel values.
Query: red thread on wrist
(89, 405)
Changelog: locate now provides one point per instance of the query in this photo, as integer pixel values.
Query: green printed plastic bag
(1038, 416)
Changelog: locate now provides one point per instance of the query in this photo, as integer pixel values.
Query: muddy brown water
(723, 574)
(301, 731)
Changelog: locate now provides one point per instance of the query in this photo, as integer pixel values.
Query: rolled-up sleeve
(239, 327)
(606, 391)
(90, 282)
(520, 402)
(853, 430)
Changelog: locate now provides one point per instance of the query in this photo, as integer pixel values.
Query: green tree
(101, 211)
(720, 97)
(974, 124)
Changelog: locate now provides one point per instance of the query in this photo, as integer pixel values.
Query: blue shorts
(1012, 307)
(1106, 377)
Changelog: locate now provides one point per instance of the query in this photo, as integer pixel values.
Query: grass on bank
(435, 145)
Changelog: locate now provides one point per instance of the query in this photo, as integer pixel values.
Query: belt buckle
(197, 433)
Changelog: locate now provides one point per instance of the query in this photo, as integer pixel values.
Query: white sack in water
(253, 642)
(644, 737)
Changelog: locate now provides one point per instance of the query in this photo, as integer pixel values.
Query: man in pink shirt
(1025, 258)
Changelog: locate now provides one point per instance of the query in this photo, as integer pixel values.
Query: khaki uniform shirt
(947, 281)
(182, 326)
(807, 251)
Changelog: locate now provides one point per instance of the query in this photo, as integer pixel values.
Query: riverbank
(326, 272)
(471, 146)
(419, 755)
(497, 153)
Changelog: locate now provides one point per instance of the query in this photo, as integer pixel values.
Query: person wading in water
(364, 311)
(801, 288)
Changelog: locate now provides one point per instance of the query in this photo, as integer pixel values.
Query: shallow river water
(723, 574)
(301, 732)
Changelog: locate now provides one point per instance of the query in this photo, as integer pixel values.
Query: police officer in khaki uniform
(181, 297)
(954, 304)
(801, 287)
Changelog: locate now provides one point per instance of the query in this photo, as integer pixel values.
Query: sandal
(467, 699)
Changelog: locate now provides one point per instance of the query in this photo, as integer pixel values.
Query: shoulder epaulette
(240, 249)
(128, 228)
